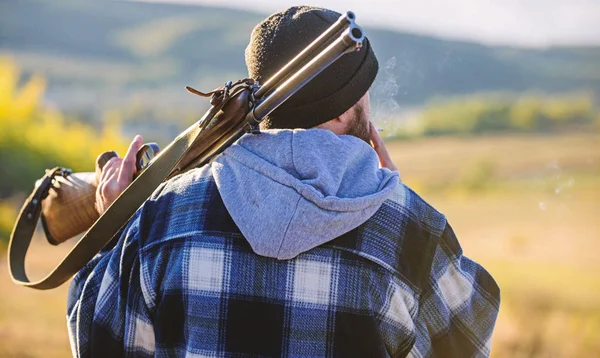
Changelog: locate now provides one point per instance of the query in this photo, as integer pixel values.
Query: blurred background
(491, 111)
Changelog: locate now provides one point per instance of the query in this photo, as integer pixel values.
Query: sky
(530, 23)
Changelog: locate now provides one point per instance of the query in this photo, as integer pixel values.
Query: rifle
(65, 200)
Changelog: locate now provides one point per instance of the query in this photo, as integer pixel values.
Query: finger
(107, 179)
(111, 167)
(103, 158)
(100, 196)
(110, 190)
(101, 162)
(98, 206)
(377, 142)
(128, 164)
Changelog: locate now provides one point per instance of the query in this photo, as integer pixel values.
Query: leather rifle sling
(106, 227)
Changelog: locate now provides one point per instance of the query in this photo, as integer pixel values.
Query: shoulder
(194, 186)
(402, 237)
(413, 209)
(186, 204)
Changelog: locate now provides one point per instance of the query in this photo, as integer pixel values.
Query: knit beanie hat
(279, 38)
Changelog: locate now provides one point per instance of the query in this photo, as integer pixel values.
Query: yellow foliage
(485, 114)
(18, 103)
(33, 138)
(523, 112)
(569, 107)
(8, 214)
(25, 122)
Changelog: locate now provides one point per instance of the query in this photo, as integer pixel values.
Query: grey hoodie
(289, 191)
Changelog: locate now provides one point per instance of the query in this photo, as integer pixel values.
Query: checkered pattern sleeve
(107, 313)
(458, 307)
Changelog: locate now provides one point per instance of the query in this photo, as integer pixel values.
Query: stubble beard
(359, 127)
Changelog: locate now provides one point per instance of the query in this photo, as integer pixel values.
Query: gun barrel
(326, 37)
(348, 41)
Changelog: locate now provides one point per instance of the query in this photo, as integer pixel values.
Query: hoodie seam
(292, 153)
(287, 227)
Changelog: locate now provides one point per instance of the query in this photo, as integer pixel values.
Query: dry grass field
(526, 207)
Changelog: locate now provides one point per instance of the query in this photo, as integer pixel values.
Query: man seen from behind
(299, 241)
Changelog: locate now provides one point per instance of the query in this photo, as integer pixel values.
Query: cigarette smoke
(560, 184)
(384, 106)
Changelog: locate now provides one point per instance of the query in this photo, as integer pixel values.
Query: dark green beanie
(279, 38)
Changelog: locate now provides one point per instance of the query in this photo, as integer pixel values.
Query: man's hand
(116, 175)
(385, 161)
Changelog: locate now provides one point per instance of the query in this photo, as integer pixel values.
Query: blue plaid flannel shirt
(181, 280)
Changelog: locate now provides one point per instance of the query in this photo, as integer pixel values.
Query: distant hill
(112, 53)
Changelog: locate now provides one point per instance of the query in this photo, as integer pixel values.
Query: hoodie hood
(289, 191)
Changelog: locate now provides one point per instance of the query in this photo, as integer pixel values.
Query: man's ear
(346, 118)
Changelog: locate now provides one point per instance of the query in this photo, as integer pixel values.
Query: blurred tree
(8, 215)
(575, 109)
(493, 114)
(34, 137)
(523, 113)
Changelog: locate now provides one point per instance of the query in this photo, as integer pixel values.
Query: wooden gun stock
(69, 209)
